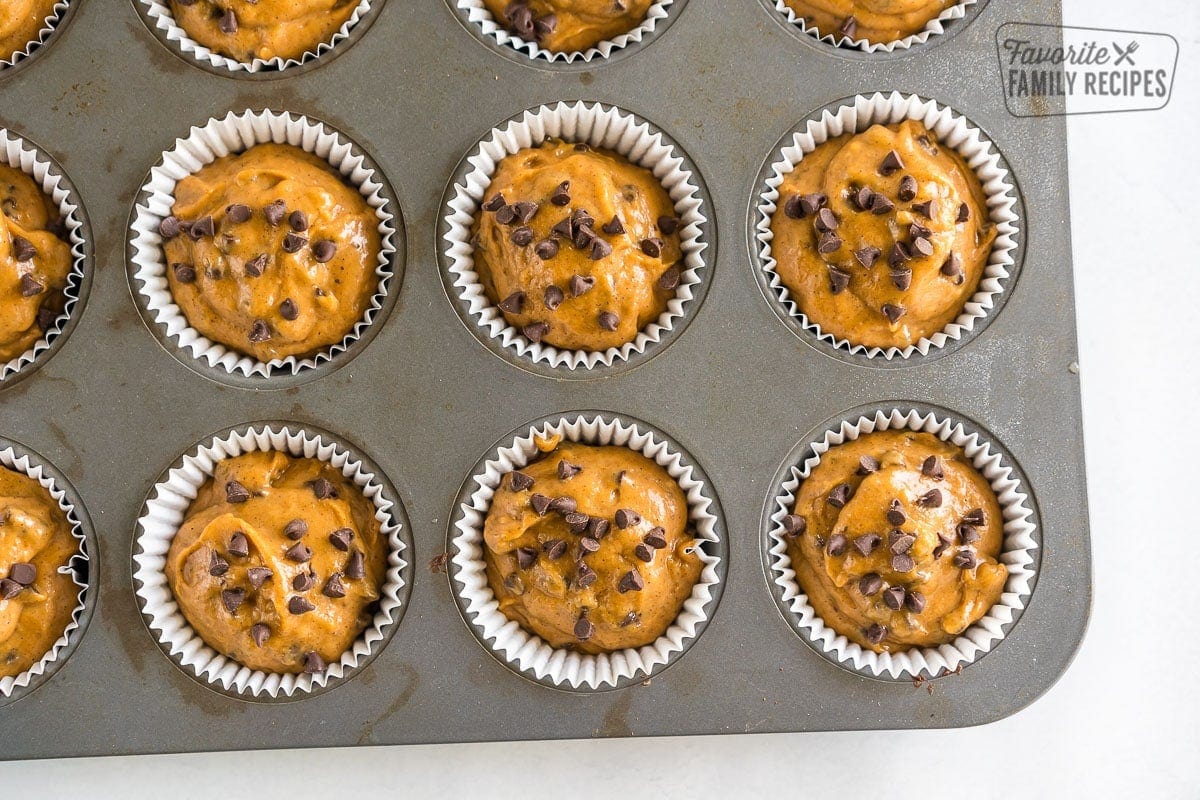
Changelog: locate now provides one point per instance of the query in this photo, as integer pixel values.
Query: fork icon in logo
(1126, 54)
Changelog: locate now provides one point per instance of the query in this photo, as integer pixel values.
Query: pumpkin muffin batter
(248, 29)
(34, 263)
(562, 26)
(36, 599)
(279, 562)
(577, 246)
(589, 548)
(895, 539)
(20, 23)
(270, 253)
(877, 21)
(881, 237)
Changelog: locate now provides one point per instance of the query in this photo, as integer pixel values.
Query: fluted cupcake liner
(478, 14)
(953, 131)
(235, 133)
(49, 26)
(600, 126)
(166, 510)
(1018, 551)
(935, 27)
(79, 568)
(528, 653)
(19, 154)
(159, 13)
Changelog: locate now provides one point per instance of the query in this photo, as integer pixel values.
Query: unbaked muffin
(248, 29)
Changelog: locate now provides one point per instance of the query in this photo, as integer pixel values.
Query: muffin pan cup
(735, 390)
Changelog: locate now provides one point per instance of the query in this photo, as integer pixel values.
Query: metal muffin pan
(424, 400)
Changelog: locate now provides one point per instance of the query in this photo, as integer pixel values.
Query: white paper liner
(478, 14)
(161, 16)
(934, 27)
(203, 145)
(29, 467)
(166, 511)
(600, 126)
(953, 131)
(1017, 552)
(19, 154)
(49, 25)
(529, 653)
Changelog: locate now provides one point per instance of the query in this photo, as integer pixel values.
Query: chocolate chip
(544, 26)
(293, 243)
(836, 545)
(600, 249)
(902, 278)
(228, 23)
(867, 465)
(535, 331)
(608, 320)
(812, 203)
(275, 211)
(298, 221)
(631, 581)
(644, 551)
(893, 597)
(217, 566)
(237, 213)
(917, 230)
(258, 576)
(656, 538)
(239, 545)
(256, 266)
(170, 227)
(184, 273)
(201, 228)
(794, 525)
(334, 587)
(668, 225)
(520, 16)
(341, 539)
(323, 251)
(46, 317)
(900, 542)
(839, 279)
(514, 584)
(898, 255)
(299, 552)
(964, 213)
(928, 209)
(514, 303)
(626, 518)
(581, 285)
(881, 205)
(506, 215)
(324, 489)
(968, 534)
(944, 542)
(614, 227)
(908, 188)
(793, 207)
(892, 312)
(826, 221)
(891, 164)
(931, 467)
(965, 559)
(561, 195)
(304, 581)
(525, 210)
(867, 256)
(563, 505)
(494, 203)
(23, 573)
(588, 545)
(260, 332)
(974, 517)
(259, 633)
(299, 605)
(839, 495)
(236, 493)
(867, 543)
(540, 503)
(546, 249)
(585, 576)
(669, 280)
(288, 309)
(563, 229)
(9, 589)
(355, 566)
(931, 499)
(584, 629)
(952, 266)
(652, 247)
(30, 287)
(519, 482)
(902, 562)
(828, 243)
(915, 602)
(313, 663)
(895, 513)
(863, 198)
(576, 521)
(876, 633)
(870, 584)
(554, 549)
(232, 599)
(567, 470)
(522, 236)
(849, 27)
(922, 246)
(526, 557)
(597, 527)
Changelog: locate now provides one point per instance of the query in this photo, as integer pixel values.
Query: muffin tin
(738, 392)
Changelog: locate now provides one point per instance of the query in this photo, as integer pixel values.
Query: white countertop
(1123, 721)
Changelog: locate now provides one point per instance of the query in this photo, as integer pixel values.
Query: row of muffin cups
(602, 126)
(161, 20)
(521, 650)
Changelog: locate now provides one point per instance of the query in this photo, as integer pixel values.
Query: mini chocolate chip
(652, 246)
(839, 279)
(522, 236)
(217, 566)
(892, 312)
(298, 221)
(656, 538)
(585, 576)
(554, 549)
(514, 584)
(313, 663)
(870, 584)
(931, 499)
(836, 545)
(968, 534)
(260, 332)
(577, 522)
(608, 320)
(237, 213)
(9, 589)
(893, 597)
(544, 26)
(826, 221)
(952, 266)
(525, 210)
(514, 303)
(46, 317)
(614, 227)
(902, 278)
(965, 559)
(299, 605)
(567, 470)
(867, 256)
(849, 27)
(323, 251)
(964, 213)
(867, 543)
(881, 205)
(584, 629)
(561, 195)
(631, 581)
(341, 539)
(563, 229)
(546, 249)
(812, 203)
(891, 164)
(902, 562)
(598, 527)
(900, 542)
(535, 331)
(170, 227)
(839, 495)
(669, 280)
(600, 249)
(553, 297)
(303, 581)
(288, 309)
(30, 287)
(299, 552)
(863, 198)
(563, 504)
(236, 493)
(201, 228)
(626, 518)
(588, 545)
(895, 513)
(184, 273)
(867, 465)
(915, 602)
(324, 489)
(828, 243)
(898, 255)
(668, 225)
(293, 243)
(794, 525)
(519, 482)
(526, 557)
(494, 203)
(581, 285)
(922, 246)
(916, 230)
(928, 209)
(256, 266)
(876, 633)
(931, 467)
(259, 633)
(793, 207)
(540, 503)
(506, 215)
(943, 545)
(334, 587)
(239, 545)
(974, 517)
(228, 22)
(275, 211)
(908, 188)
(355, 566)
(258, 576)
(232, 599)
